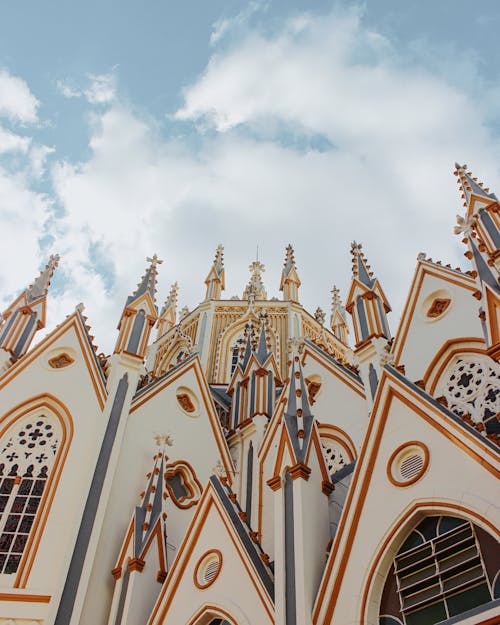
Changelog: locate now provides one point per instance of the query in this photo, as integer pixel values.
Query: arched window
(472, 386)
(27, 454)
(335, 455)
(445, 567)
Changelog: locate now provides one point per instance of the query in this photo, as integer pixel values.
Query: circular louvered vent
(408, 463)
(208, 568)
(411, 466)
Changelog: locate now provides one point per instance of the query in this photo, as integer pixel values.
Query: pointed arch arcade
(34, 440)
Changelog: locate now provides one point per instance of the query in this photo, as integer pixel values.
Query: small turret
(25, 316)
(290, 281)
(366, 301)
(166, 320)
(140, 314)
(338, 322)
(215, 279)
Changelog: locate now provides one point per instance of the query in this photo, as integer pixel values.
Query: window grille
(443, 575)
(335, 456)
(26, 458)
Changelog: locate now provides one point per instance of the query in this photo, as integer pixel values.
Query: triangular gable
(217, 527)
(333, 366)
(291, 276)
(491, 303)
(144, 301)
(449, 278)
(72, 324)
(149, 392)
(402, 415)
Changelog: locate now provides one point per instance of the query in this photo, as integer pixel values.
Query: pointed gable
(405, 420)
(217, 535)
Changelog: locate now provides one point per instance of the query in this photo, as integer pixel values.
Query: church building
(249, 462)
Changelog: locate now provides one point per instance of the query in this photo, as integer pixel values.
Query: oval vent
(208, 568)
(408, 463)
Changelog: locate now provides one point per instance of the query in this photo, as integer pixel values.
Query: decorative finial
(319, 315)
(42, 283)
(464, 225)
(154, 261)
(255, 288)
(164, 439)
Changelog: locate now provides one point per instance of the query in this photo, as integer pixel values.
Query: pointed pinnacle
(41, 284)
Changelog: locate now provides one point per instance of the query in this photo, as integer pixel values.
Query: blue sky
(129, 128)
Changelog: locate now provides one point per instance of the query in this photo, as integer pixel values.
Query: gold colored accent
(438, 306)
(61, 361)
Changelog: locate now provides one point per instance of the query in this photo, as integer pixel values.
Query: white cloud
(100, 90)
(17, 103)
(394, 130)
(12, 142)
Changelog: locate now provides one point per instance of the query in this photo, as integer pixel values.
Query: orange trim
(136, 564)
(168, 591)
(192, 499)
(7, 596)
(416, 477)
(72, 321)
(196, 572)
(215, 611)
(423, 269)
(446, 353)
(209, 406)
(300, 470)
(333, 432)
(432, 505)
(62, 414)
(357, 387)
(452, 432)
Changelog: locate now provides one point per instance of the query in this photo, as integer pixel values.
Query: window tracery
(335, 456)
(472, 387)
(26, 459)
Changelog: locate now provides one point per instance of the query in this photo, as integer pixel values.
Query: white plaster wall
(426, 335)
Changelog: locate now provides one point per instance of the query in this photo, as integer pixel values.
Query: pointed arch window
(445, 567)
(27, 454)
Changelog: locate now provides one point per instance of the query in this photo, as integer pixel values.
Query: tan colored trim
(197, 568)
(416, 477)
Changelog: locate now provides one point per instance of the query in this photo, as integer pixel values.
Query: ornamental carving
(60, 361)
(438, 306)
(185, 402)
(472, 389)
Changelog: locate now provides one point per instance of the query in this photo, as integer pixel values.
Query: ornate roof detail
(172, 298)
(360, 268)
(219, 259)
(337, 305)
(255, 288)
(148, 280)
(39, 287)
(470, 187)
(319, 315)
(289, 260)
(298, 416)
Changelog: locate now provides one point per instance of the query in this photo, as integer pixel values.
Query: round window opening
(408, 463)
(187, 401)
(208, 568)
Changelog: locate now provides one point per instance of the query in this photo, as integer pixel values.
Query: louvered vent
(411, 466)
(211, 571)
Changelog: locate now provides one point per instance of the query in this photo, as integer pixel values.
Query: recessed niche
(187, 401)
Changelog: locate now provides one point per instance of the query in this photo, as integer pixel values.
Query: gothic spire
(166, 319)
(41, 284)
(360, 268)
(298, 416)
(148, 281)
(472, 191)
(338, 322)
(215, 279)
(290, 281)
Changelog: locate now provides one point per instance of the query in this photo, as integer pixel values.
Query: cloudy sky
(128, 128)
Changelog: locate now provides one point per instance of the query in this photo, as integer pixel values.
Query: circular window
(187, 401)
(208, 568)
(408, 463)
